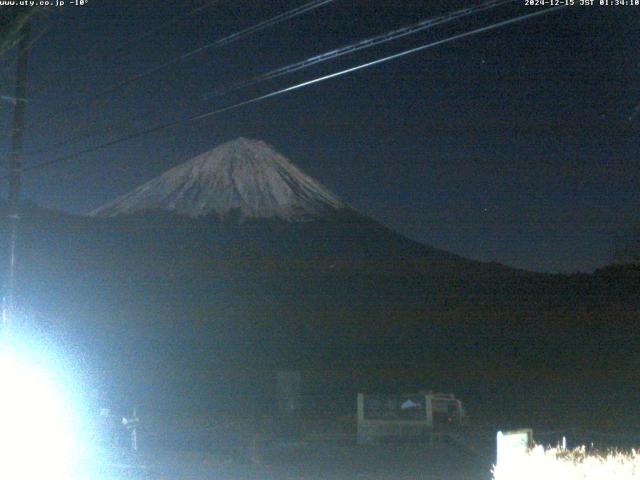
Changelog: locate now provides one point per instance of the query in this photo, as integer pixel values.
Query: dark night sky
(513, 145)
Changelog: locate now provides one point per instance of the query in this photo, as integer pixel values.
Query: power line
(353, 47)
(185, 56)
(291, 88)
(359, 45)
(373, 63)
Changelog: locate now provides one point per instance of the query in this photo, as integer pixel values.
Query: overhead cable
(291, 88)
(185, 56)
(360, 45)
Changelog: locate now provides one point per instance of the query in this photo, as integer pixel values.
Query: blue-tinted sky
(515, 145)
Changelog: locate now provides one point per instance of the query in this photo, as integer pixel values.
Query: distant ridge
(245, 178)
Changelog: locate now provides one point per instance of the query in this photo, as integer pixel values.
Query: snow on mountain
(242, 177)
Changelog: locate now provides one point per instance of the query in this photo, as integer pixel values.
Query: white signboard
(513, 445)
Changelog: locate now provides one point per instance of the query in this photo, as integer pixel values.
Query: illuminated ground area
(570, 464)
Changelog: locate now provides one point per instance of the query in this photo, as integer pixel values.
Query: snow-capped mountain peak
(242, 177)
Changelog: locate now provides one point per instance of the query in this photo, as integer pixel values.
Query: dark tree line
(627, 248)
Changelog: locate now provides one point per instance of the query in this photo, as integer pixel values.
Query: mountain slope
(244, 178)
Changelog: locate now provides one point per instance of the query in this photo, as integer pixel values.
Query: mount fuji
(242, 178)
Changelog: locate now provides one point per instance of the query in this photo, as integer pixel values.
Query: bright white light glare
(37, 428)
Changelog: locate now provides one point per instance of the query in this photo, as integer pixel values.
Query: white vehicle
(401, 417)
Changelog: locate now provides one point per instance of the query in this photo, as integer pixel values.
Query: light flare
(38, 420)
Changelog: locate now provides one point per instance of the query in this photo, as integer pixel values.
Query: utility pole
(15, 170)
